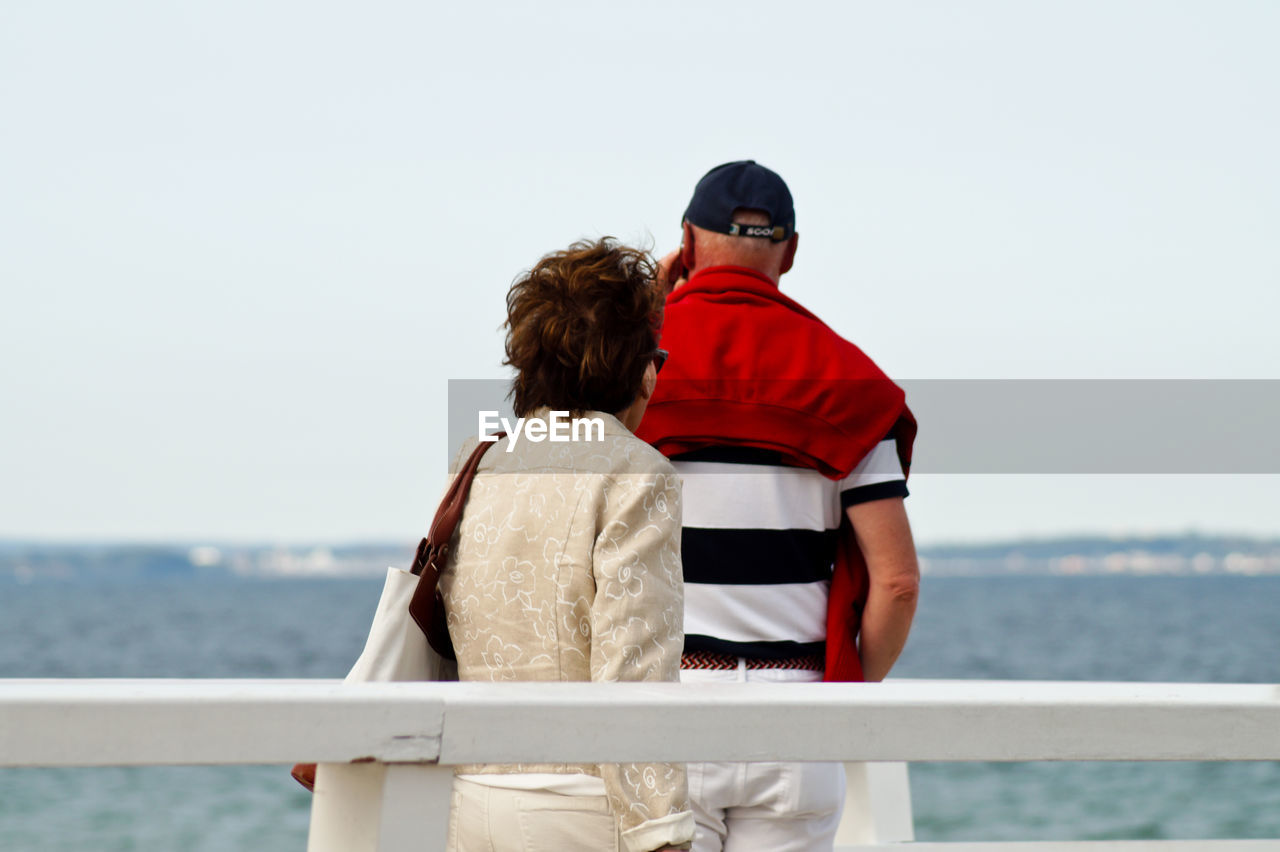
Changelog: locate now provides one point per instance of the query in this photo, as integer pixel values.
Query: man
(794, 450)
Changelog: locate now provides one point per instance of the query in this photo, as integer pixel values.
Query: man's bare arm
(884, 535)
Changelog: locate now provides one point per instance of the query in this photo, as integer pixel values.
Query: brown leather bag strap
(445, 523)
(425, 607)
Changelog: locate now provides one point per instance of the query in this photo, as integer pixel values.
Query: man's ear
(688, 254)
(789, 256)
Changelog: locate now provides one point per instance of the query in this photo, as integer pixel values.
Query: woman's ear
(649, 382)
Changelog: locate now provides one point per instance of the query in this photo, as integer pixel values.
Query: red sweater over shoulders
(752, 367)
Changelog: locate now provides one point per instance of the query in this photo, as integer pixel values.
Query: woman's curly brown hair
(581, 328)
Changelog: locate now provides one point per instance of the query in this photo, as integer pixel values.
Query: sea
(1215, 629)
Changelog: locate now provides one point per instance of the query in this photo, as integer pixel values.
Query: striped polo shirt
(759, 542)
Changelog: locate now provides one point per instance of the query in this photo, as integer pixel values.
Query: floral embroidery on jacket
(567, 568)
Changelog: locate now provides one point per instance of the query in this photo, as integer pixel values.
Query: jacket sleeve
(637, 628)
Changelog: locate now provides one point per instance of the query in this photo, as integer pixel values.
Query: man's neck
(732, 268)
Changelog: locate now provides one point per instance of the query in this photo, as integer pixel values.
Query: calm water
(1222, 629)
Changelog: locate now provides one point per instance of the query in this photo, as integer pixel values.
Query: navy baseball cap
(738, 185)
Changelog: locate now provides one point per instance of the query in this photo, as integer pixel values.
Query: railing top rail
(142, 722)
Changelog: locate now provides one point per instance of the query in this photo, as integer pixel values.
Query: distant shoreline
(1168, 555)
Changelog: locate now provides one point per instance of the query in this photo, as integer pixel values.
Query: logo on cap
(777, 233)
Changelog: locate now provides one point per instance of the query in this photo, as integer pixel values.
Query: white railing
(388, 748)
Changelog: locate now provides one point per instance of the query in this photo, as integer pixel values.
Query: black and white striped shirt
(758, 545)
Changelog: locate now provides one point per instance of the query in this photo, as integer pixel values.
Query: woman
(567, 561)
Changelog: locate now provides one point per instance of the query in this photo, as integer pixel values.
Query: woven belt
(715, 660)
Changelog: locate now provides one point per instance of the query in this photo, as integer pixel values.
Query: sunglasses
(660, 357)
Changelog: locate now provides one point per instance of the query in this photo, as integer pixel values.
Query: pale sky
(244, 245)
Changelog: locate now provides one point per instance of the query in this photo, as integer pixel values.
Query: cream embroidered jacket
(566, 567)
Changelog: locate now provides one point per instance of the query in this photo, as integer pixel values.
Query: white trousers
(495, 819)
(764, 807)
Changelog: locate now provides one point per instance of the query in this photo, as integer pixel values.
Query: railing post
(379, 807)
(877, 805)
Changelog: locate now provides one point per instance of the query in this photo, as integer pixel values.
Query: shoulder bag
(411, 608)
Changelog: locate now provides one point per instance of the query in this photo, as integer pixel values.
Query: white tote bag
(396, 648)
